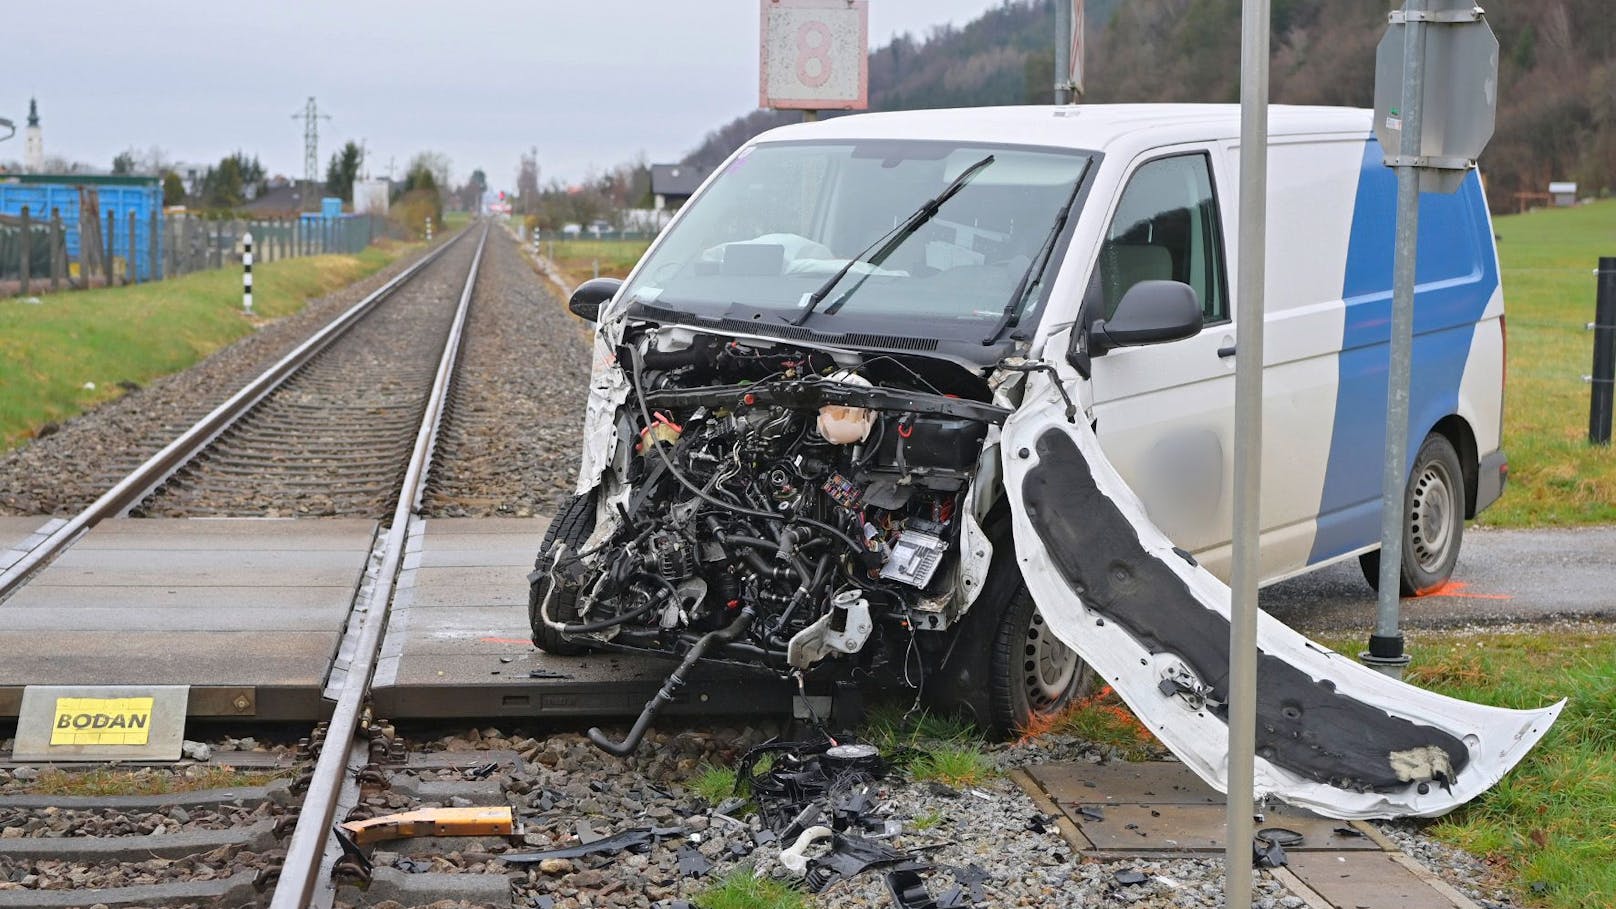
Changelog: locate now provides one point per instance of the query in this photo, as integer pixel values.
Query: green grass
(52, 353)
(1555, 476)
(890, 728)
(956, 765)
(715, 784)
(740, 890)
(926, 820)
(1104, 720)
(578, 257)
(1551, 822)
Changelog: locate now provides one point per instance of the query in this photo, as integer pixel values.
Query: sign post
(1436, 90)
(1251, 275)
(814, 55)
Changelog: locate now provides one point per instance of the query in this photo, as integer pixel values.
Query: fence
(47, 254)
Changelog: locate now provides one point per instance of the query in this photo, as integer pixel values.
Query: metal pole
(246, 272)
(58, 251)
(1063, 50)
(1604, 374)
(25, 269)
(112, 249)
(1386, 644)
(132, 267)
(1248, 426)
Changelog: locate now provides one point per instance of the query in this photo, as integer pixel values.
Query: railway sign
(814, 54)
(98, 723)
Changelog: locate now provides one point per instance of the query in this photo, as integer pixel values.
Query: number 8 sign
(814, 54)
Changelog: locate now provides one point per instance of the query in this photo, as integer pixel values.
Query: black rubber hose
(674, 684)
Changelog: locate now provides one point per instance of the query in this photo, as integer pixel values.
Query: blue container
(118, 195)
(331, 207)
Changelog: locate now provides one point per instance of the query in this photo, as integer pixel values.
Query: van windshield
(783, 219)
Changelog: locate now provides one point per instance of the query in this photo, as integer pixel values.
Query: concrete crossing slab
(458, 640)
(1162, 808)
(243, 611)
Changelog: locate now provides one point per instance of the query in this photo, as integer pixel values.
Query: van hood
(1332, 735)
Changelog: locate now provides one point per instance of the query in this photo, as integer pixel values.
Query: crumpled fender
(1333, 735)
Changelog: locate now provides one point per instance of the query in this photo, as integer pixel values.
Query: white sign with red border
(814, 54)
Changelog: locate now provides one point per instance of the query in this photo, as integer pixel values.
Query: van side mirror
(1151, 312)
(591, 295)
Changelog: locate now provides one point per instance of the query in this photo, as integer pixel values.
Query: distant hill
(1557, 80)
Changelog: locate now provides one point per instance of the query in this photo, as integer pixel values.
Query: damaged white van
(946, 398)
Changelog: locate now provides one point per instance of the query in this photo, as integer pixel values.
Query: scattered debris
(196, 751)
(1091, 812)
(692, 863)
(628, 840)
(1268, 853)
(909, 891)
(1129, 878)
(484, 821)
(1350, 832)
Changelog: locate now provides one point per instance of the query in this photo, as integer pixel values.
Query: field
(578, 258)
(1555, 477)
(72, 351)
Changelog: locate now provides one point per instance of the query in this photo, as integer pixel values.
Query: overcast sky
(590, 84)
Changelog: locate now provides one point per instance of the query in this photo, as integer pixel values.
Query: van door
(1164, 413)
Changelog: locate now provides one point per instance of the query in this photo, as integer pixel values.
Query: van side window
(1166, 229)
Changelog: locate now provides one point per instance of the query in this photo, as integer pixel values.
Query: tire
(571, 527)
(1433, 521)
(1032, 674)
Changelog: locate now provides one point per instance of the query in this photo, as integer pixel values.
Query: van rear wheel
(1433, 521)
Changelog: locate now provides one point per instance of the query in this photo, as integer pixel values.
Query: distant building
(33, 156)
(673, 184)
(1563, 194)
(371, 196)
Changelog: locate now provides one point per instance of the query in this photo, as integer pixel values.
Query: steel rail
(305, 865)
(146, 478)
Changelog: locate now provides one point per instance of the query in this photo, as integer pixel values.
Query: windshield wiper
(888, 243)
(1038, 263)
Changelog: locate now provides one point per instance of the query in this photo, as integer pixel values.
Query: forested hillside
(1557, 84)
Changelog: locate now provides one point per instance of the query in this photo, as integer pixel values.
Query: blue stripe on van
(1456, 276)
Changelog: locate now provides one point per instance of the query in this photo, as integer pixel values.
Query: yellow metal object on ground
(433, 822)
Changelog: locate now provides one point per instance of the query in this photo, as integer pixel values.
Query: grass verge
(740, 890)
(1555, 476)
(75, 350)
(714, 784)
(1103, 720)
(144, 782)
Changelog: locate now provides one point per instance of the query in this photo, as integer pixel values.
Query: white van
(811, 393)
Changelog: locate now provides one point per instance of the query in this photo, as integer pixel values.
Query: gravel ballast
(65, 471)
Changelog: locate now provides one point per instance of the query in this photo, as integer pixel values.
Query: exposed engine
(777, 507)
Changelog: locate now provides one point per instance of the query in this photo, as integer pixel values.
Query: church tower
(33, 141)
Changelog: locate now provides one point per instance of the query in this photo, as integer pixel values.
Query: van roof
(1079, 126)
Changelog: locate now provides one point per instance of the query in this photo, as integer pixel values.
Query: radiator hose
(674, 684)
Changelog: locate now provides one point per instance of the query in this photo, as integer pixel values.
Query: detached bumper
(1492, 473)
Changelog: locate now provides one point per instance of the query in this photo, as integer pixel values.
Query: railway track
(347, 422)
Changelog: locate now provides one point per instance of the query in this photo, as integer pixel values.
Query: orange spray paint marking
(1457, 589)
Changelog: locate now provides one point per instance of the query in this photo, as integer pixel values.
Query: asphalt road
(1503, 577)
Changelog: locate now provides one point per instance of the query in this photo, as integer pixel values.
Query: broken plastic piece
(619, 842)
(793, 858)
(484, 821)
(1284, 836)
(692, 863)
(1267, 853)
(848, 856)
(1129, 878)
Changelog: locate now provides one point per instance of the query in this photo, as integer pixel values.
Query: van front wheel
(1433, 521)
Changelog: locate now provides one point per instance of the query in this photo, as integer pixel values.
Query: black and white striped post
(246, 272)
